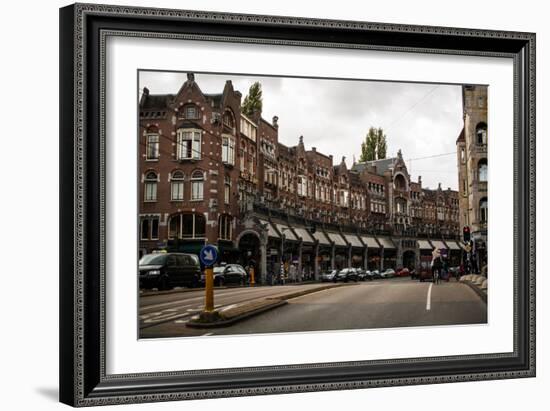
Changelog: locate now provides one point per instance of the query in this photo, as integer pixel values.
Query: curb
(238, 318)
(305, 292)
(278, 301)
(476, 289)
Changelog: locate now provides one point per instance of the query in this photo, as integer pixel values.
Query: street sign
(208, 255)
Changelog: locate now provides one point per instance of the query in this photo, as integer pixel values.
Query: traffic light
(466, 234)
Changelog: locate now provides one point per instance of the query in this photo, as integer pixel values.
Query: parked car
(388, 273)
(345, 275)
(375, 274)
(403, 272)
(228, 274)
(167, 270)
(363, 275)
(328, 276)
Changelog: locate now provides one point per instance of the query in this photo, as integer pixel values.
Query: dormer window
(191, 112)
(228, 120)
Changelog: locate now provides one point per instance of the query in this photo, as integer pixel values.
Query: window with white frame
(482, 170)
(197, 185)
(191, 112)
(302, 185)
(225, 227)
(176, 186)
(150, 189)
(227, 190)
(189, 144)
(149, 228)
(187, 225)
(228, 150)
(483, 210)
(152, 147)
(481, 134)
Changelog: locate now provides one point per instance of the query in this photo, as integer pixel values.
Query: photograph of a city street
(283, 204)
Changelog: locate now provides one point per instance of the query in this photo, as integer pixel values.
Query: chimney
(191, 77)
(275, 122)
(420, 180)
(439, 186)
(314, 149)
(145, 91)
(301, 140)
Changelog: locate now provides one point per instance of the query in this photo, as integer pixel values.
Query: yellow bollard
(209, 286)
(252, 281)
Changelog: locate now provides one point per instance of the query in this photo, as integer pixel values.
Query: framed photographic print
(262, 204)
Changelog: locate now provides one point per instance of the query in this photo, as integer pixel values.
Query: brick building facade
(210, 174)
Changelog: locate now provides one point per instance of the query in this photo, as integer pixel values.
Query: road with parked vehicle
(357, 303)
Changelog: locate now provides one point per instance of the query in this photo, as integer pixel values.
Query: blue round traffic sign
(208, 255)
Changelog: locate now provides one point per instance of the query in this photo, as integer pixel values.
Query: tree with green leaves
(253, 101)
(374, 147)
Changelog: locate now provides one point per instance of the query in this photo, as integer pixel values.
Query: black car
(345, 275)
(167, 270)
(229, 274)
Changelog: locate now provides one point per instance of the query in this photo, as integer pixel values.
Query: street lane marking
(206, 335)
(429, 299)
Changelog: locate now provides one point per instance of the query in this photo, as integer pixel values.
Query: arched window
(482, 170)
(187, 225)
(483, 210)
(225, 227)
(150, 191)
(197, 185)
(228, 120)
(176, 182)
(399, 183)
(481, 134)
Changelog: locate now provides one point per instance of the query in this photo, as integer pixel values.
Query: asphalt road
(396, 302)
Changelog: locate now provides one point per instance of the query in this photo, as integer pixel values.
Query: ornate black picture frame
(83, 30)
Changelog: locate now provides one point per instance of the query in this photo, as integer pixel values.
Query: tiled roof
(155, 101)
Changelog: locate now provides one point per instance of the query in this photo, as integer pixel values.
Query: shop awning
(271, 232)
(370, 242)
(321, 237)
(287, 232)
(353, 240)
(303, 234)
(424, 245)
(440, 245)
(337, 239)
(453, 245)
(386, 242)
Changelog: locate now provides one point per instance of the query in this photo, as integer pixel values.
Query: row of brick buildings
(211, 174)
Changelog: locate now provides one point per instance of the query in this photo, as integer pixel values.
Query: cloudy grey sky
(422, 120)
